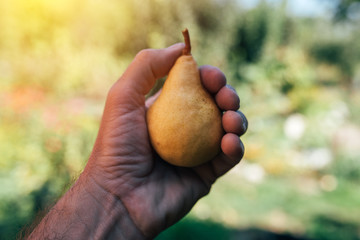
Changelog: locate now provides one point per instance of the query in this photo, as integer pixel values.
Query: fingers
(227, 99)
(232, 146)
(147, 67)
(234, 122)
(232, 152)
(215, 83)
(212, 78)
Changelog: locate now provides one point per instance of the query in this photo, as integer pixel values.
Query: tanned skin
(126, 191)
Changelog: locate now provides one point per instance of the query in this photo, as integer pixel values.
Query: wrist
(87, 211)
(112, 218)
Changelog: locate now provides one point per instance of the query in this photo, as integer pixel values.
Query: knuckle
(144, 55)
(112, 93)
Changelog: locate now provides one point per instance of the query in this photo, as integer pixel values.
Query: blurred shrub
(346, 10)
(332, 228)
(347, 167)
(336, 53)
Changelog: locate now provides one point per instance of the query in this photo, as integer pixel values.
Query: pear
(184, 122)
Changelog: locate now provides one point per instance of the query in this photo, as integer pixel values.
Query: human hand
(154, 193)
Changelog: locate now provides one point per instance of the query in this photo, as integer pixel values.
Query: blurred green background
(295, 65)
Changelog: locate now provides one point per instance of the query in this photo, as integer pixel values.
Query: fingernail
(177, 45)
(243, 149)
(245, 122)
(231, 87)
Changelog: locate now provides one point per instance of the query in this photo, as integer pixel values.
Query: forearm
(87, 211)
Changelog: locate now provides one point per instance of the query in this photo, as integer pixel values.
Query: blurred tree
(347, 10)
(336, 53)
(250, 36)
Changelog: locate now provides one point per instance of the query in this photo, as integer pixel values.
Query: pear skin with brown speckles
(184, 123)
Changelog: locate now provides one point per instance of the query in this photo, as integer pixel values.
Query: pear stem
(187, 48)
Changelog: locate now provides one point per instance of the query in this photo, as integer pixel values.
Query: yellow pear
(184, 123)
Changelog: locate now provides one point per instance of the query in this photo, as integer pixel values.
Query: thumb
(147, 67)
